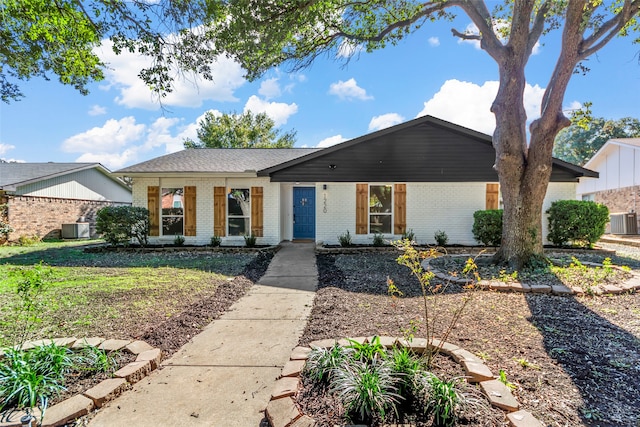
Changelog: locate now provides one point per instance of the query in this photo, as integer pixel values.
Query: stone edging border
(631, 285)
(282, 410)
(148, 359)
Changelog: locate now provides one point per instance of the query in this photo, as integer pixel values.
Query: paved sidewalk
(224, 376)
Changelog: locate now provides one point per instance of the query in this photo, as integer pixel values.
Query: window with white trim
(380, 209)
(239, 212)
(172, 211)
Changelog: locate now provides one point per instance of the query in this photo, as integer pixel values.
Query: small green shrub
(178, 240)
(321, 362)
(367, 390)
(576, 221)
(441, 238)
(487, 227)
(409, 235)
(378, 239)
(366, 352)
(345, 239)
(29, 378)
(29, 240)
(120, 224)
(216, 241)
(443, 400)
(250, 241)
(5, 227)
(94, 359)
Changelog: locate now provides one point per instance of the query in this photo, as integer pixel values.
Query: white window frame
(229, 216)
(389, 214)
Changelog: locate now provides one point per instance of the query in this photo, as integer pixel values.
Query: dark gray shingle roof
(218, 160)
(12, 174)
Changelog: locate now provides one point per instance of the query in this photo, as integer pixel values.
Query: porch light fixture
(324, 186)
(332, 167)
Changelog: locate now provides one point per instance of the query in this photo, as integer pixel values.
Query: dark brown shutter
(256, 211)
(399, 208)
(219, 211)
(362, 208)
(189, 210)
(153, 204)
(493, 196)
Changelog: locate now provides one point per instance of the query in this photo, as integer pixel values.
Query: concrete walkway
(224, 376)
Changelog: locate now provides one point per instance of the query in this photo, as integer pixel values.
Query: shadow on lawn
(228, 264)
(602, 359)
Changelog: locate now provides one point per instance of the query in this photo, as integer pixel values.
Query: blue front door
(304, 212)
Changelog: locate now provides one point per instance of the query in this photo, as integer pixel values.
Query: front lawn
(117, 295)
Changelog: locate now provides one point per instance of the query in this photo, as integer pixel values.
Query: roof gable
(14, 175)
(624, 142)
(425, 149)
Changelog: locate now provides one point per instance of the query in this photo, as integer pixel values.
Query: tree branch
(464, 36)
(538, 26)
(480, 16)
(609, 29)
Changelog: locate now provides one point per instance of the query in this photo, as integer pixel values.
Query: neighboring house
(618, 184)
(424, 175)
(40, 197)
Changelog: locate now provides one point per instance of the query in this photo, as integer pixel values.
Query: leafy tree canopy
(240, 131)
(578, 143)
(263, 34)
(44, 38)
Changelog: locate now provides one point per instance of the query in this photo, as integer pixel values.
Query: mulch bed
(574, 361)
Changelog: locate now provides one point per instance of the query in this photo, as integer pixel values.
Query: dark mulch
(574, 361)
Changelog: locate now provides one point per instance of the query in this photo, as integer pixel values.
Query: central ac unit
(624, 223)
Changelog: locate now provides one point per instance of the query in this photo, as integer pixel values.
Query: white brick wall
(340, 215)
(204, 206)
(430, 207)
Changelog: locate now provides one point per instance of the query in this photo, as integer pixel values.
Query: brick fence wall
(44, 216)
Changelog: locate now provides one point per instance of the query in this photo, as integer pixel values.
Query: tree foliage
(240, 131)
(261, 35)
(44, 38)
(577, 144)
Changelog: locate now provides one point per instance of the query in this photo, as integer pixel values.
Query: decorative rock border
(631, 285)
(148, 359)
(282, 410)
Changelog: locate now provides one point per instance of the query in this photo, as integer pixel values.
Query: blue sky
(430, 72)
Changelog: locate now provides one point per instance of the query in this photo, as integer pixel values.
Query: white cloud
(97, 110)
(188, 90)
(270, 88)
(278, 111)
(348, 48)
(114, 134)
(332, 140)
(348, 90)
(121, 142)
(573, 106)
(468, 104)
(6, 147)
(385, 121)
(434, 41)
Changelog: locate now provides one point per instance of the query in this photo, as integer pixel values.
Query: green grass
(89, 293)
